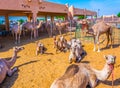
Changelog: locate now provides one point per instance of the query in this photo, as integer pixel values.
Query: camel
(51, 28)
(99, 29)
(84, 26)
(28, 26)
(60, 44)
(81, 75)
(16, 30)
(62, 27)
(76, 51)
(40, 48)
(39, 26)
(33, 27)
(6, 65)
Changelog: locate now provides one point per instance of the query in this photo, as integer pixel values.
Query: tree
(81, 17)
(118, 14)
(60, 17)
(21, 21)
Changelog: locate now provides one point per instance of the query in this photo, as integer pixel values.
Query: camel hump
(70, 71)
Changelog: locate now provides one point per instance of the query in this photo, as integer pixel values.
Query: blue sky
(107, 7)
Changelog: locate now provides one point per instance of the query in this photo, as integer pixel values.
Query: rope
(112, 78)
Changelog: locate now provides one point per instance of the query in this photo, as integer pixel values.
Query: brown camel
(99, 29)
(60, 44)
(33, 27)
(79, 76)
(62, 27)
(84, 26)
(6, 65)
(51, 28)
(16, 30)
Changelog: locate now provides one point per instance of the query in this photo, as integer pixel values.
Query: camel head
(73, 47)
(110, 59)
(17, 49)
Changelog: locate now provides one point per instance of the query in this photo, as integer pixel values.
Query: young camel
(16, 30)
(40, 48)
(6, 65)
(79, 76)
(99, 29)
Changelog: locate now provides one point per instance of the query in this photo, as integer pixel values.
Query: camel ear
(105, 57)
(114, 57)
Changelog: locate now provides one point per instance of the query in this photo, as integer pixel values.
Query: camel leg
(60, 32)
(111, 40)
(35, 33)
(98, 44)
(31, 34)
(11, 71)
(19, 38)
(37, 50)
(108, 39)
(16, 38)
(23, 33)
(94, 43)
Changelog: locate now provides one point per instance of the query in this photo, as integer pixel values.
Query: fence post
(77, 31)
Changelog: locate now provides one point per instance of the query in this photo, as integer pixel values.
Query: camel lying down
(79, 76)
(40, 48)
(6, 65)
(76, 52)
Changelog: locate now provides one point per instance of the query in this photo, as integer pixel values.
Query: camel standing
(84, 26)
(33, 27)
(16, 30)
(62, 27)
(99, 29)
(79, 76)
(6, 65)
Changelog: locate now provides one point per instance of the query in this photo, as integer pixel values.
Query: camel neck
(12, 61)
(104, 73)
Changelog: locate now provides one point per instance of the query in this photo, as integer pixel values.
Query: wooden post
(46, 18)
(66, 17)
(34, 20)
(7, 22)
(52, 18)
(29, 18)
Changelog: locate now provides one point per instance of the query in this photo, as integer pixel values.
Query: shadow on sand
(116, 82)
(114, 46)
(8, 42)
(9, 81)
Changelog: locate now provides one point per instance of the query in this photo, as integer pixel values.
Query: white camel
(79, 76)
(6, 65)
(76, 51)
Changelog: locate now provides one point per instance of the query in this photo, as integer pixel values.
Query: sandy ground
(40, 71)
